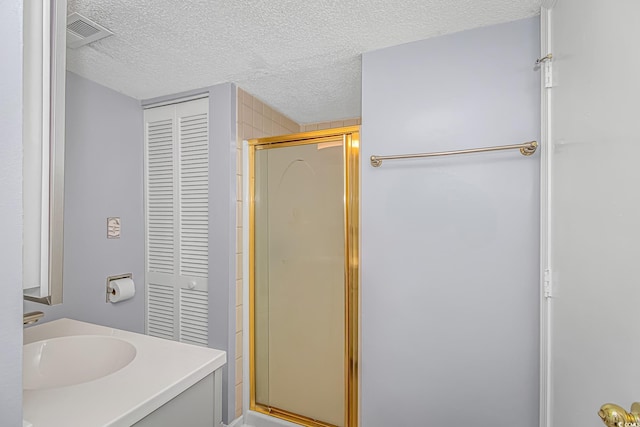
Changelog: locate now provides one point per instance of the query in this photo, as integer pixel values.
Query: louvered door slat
(177, 221)
(194, 317)
(194, 194)
(160, 195)
(160, 311)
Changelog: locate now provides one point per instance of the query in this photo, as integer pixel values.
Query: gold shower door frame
(351, 150)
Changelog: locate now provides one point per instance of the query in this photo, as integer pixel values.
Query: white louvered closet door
(177, 224)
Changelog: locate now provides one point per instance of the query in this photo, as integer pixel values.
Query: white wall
(450, 246)
(103, 178)
(11, 212)
(595, 208)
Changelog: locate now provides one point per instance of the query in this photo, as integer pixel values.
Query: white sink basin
(78, 374)
(66, 361)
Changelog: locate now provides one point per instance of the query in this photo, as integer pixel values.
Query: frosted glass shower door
(299, 281)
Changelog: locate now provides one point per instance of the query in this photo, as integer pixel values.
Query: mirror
(43, 141)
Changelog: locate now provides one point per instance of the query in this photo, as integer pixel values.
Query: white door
(594, 208)
(176, 220)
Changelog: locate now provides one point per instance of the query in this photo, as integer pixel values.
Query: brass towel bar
(526, 148)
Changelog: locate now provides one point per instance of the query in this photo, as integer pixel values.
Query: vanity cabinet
(165, 384)
(198, 406)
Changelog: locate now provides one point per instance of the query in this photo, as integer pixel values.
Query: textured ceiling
(301, 57)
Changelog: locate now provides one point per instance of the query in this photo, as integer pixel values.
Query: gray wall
(103, 178)
(222, 235)
(450, 246)
(11, 212)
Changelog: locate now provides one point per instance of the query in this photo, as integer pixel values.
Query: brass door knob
(614, 416)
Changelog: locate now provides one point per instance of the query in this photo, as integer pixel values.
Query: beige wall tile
(239, 371)
(239, 343)
(238, 158)
(257, 105)
(240, 96)
(238, 187)
(329, 125)
(238, 400)
(267, 127)
(293, 126)
(239, 285)
(238, 318)
(239, 240)
(257, 120)
(247, 99)
(267, 111)
(238, 266)
(247, 114)
(247, 131)
(239, 211)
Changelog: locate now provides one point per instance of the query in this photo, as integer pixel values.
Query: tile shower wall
(258, 120)
(330, 125)
(255, 120)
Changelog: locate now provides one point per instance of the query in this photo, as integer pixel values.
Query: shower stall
(303, 277)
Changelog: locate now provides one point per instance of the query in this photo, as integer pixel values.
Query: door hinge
(548, 284)
(547, 69)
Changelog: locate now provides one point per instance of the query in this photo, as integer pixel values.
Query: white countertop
(161, 370)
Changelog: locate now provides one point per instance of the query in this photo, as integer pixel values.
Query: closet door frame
(176, 303)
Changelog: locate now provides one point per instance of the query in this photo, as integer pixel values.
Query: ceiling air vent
(82, 30)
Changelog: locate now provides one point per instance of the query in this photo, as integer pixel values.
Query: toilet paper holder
(112, 278)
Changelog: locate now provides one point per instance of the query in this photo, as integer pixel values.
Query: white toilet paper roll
(122, 289)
